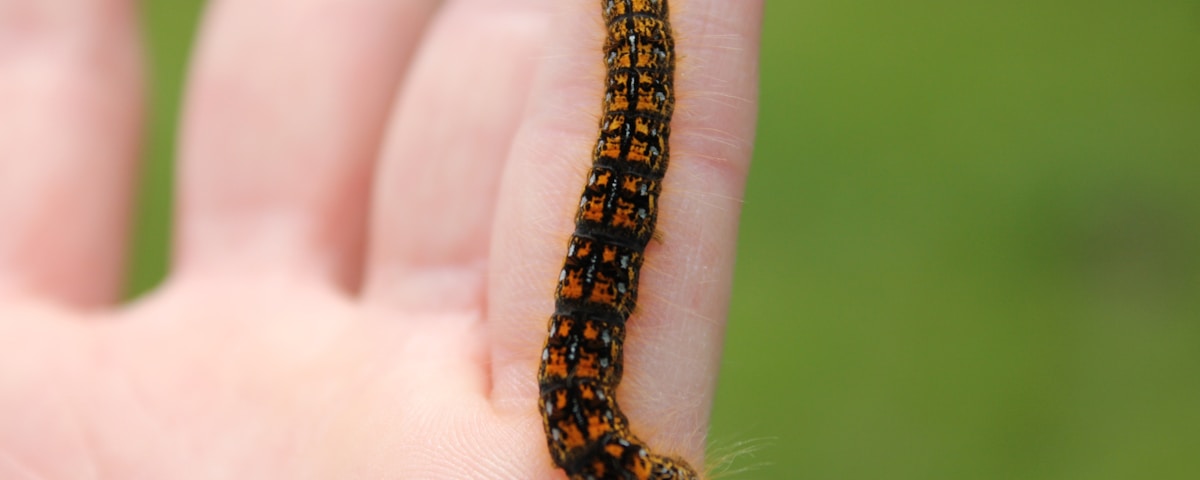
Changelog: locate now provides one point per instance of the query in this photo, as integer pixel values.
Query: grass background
(971, 243)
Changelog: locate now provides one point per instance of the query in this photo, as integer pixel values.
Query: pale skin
(373, 199)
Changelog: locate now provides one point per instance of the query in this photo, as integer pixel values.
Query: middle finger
(439, 173)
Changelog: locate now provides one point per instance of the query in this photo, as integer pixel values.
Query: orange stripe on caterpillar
(582, 362)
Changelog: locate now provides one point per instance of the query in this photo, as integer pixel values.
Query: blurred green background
(970, 248)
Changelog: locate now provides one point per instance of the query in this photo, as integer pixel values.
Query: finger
(283, 118)
(69, 121)
(675, 334)
(434, 192)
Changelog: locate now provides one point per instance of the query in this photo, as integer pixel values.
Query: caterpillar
(588, 436)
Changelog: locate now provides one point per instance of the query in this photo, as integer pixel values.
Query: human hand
(373, 204)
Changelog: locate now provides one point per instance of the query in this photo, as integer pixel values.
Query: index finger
(675, 334)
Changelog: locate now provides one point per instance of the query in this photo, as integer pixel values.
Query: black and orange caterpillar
(581, 366)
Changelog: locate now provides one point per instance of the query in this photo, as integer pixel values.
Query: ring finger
(286, 106)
